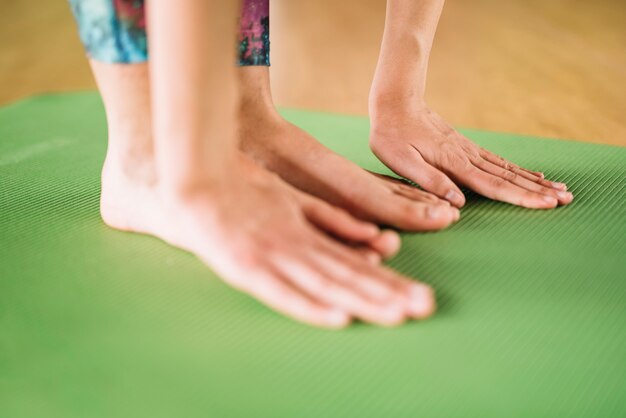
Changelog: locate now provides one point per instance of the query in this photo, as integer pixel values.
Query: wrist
(254, 112)
(385, 101)
(400, 78)
(255, 97)
(394, 108)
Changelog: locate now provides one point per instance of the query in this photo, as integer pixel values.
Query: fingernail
(457, 214)
(454, 197)
(433, 212)
(393, 313)
(564, 195)
(540, 174)
(558, 185)
(337, 317)
(422, 301)
(550, 200)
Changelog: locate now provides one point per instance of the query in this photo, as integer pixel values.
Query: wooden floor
(549, 68)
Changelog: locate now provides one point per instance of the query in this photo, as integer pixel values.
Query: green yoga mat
(100, 323)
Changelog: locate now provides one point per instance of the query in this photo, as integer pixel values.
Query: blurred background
(554, 68)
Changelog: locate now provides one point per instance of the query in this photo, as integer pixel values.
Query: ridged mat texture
(100, 323)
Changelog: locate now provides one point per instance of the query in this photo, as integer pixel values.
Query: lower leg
(125, 92)
(129, 178)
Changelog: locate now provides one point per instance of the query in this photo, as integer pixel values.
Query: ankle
(131, 158)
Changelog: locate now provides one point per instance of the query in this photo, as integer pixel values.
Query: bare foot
(418, 144)
(269, 243)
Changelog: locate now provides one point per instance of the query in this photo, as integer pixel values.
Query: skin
(173, 171)
(308, 165)
(416, 143)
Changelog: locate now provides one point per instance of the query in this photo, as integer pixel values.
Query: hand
(266, 242)
(419, 145)
(366, 237)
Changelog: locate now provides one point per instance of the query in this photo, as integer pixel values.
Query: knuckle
(509, 175)
(499, 158)
(409, 211)
(497, 182)
(530, 196)
(320, 209)
(406, 188)
(437, 180)
(250, 258)
(455, 161)
(341, 214)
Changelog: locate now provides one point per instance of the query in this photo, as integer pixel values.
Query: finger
(369, 255)
(507, 165)
(387, 243)
(416, 169)
(410, 215)
(418, 195)
(379, 283)
(406, 189)
(421, 297)
(539, 180)
(427, 198)
(278, 294)
(387, 178)
(536, 176)
(308, 273)
(369, 242)
(420, 216)
(349, 274)
(497, 188)
(354, 273)
(563, 197)
(407, 214)
(339, 222)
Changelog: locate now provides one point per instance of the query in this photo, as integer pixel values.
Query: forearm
(400, 77)
(193, 88)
